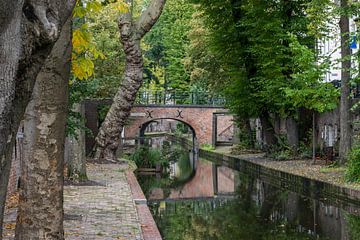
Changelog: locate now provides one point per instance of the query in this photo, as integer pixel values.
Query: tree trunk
(268, 131)
(40, 214)
(28, 31)
(314, 137)
(76, 160)
(292, 132)
(345, 117)
(131, 34)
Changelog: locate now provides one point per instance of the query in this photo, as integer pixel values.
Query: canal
(203, 200)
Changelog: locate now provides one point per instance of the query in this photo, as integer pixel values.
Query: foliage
(354, 226)
(221, 219)
(307, 89)
(165, 48)
(95, 49)
(84, 50)
(182, 128)
(146, 157)
(353, 165)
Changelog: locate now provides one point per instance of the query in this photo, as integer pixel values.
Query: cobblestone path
(103, 209)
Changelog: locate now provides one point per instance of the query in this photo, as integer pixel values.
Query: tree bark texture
(28, 31)
(292, 132)
(76, 159)
(345, 117)
(268, 131)
(40, 213)
(131, 34)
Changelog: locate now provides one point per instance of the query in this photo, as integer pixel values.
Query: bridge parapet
(172, 97)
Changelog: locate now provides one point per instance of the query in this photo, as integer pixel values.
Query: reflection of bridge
(206, 121)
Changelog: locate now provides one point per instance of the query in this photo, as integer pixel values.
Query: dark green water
(218, 203)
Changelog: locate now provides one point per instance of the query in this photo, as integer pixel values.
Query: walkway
(104, 209)
(101, 209)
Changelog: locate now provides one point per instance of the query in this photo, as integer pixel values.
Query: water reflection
(220, 203)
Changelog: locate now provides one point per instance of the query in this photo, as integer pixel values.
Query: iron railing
(179, 98)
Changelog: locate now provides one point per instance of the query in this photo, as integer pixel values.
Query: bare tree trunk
(345, 117)
(76, 160)
(40, 214)
(131, 34)
(28, 30)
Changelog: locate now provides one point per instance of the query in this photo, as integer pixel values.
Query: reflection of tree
(169, 153)
(354, 226)
(217, 219)
(220, 220)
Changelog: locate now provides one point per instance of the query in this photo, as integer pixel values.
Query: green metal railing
(179, 98)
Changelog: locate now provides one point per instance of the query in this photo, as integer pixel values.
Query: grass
(331, 169)
(207, 147)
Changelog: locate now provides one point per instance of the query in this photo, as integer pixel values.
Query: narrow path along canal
(203, 200)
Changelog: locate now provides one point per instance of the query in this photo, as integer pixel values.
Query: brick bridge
(209, 123)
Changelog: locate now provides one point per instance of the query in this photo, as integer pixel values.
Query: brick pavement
(104, 209)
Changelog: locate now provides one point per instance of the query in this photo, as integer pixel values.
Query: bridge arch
(145, 125)
(199, 118)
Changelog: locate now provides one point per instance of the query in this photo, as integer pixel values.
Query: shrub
(353, 165)
(148, 157)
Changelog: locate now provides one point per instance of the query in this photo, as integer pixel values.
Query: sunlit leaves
(82, 68)
(121, 6)
(85, 50)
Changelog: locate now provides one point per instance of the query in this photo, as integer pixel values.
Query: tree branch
(149, 17)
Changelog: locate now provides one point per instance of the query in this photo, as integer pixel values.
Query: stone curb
(147, 222)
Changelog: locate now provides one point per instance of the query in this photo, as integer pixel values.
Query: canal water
(218, 203)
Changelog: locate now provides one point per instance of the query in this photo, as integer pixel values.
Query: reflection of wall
(226, 182)
(199, 186)
(308, 215)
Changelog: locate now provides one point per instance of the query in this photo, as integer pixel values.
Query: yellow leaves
(84, 49)
(82, 68)
(80, 40)
(121, 6)
(84, 52)
(84, 8)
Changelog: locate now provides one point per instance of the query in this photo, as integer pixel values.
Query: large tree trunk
(131, 34)
(28, 30)
(345, 117)
(40, 208)
(40, 214)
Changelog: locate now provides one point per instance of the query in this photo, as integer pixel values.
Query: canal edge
(337, 195)
(147, 223)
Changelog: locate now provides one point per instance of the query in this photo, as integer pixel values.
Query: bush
(353, 165)
(148, 157)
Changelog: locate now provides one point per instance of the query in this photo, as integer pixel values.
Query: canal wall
(343, 197)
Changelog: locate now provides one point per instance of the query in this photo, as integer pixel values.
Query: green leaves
(307, 88)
